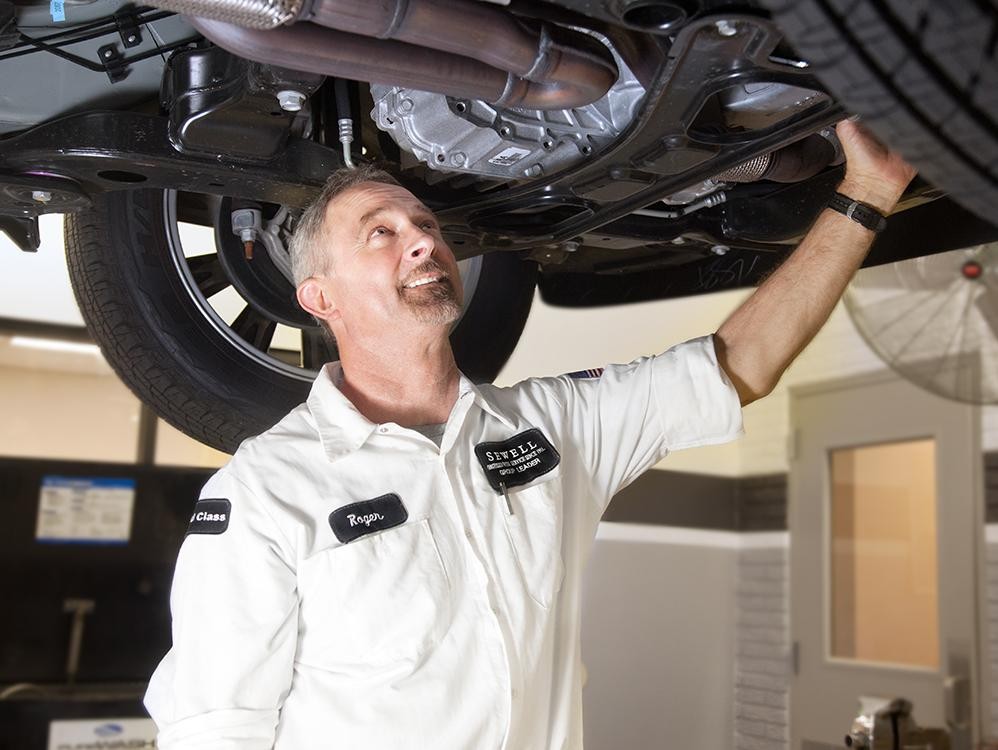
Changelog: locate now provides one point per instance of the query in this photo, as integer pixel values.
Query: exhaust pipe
(794, 163)
(313, 49)
(461, 45)
(480, 31)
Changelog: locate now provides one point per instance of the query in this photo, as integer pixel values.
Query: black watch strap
(861, 213)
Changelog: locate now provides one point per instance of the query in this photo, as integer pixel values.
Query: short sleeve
(235, 625)
(697, 403)
(631, 416)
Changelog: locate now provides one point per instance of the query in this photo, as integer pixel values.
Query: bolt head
(290, 100)
(720, 249)
(458, 159)
(41, 196)
(726, 28)
(406, 105)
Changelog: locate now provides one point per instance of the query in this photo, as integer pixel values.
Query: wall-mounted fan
(934, 320)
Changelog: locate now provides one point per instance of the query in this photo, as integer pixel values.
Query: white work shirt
(457, 629)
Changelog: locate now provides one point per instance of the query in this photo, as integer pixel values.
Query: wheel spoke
(208, 274)
(254, 328)
(315, 350)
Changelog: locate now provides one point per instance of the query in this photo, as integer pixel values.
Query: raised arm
(760, 339)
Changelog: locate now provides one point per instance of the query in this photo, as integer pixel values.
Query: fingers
(872, 169)
(854, 133)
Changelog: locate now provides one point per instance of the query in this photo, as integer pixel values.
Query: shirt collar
(343, 429)
(467, 389)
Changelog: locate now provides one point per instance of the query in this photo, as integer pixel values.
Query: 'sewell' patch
(210, 516)
(518, 460)
(359, 519)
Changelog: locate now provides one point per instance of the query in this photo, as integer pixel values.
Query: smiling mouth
(425, 280)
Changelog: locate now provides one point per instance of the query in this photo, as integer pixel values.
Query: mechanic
(397, 563)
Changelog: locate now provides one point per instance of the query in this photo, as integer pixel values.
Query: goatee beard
(436, 303)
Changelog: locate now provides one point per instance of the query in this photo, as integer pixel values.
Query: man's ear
(315, 298)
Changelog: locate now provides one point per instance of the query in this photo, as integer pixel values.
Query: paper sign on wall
(80, 510)
(101, 734)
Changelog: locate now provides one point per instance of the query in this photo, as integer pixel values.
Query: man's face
(390, 265)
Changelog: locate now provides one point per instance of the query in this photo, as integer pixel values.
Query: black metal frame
(76, 158)
(661, 153)
(87, 154)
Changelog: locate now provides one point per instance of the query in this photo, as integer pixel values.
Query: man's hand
(874, 174)
(757, 343)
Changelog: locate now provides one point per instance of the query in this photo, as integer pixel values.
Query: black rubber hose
(342, 94)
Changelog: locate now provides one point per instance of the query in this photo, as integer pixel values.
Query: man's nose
(421, 245)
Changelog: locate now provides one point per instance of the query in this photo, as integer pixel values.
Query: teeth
(420, 282)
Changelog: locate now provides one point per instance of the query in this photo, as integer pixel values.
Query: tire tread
(919, 73)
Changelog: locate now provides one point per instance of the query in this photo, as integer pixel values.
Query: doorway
(886, 558)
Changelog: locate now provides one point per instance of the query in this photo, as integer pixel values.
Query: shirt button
(467, 533)
(495, 611)
(383, 429)
(515, 693)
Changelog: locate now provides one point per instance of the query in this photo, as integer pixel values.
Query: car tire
(185, 366)
(923, 76)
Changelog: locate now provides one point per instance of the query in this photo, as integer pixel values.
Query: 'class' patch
(210, 516)
(359, 519)
(590, 374)
(518, 460)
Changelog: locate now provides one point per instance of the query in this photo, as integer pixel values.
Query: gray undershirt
(434, 432)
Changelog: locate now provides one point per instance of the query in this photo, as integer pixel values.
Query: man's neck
(413, 385)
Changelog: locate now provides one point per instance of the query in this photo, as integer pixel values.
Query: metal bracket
(23, 232)
(114, 62)
(129, 31)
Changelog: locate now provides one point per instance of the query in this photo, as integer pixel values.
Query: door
(886, 529)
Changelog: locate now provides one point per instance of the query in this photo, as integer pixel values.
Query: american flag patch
(583, 374)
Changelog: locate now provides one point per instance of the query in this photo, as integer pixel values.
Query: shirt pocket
(381, 599)
(535, 529)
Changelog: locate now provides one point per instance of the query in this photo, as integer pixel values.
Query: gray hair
(309, 256)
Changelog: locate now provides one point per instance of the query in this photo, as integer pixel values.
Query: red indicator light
(972, 270)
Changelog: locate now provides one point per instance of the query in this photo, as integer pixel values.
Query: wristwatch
(861, 213)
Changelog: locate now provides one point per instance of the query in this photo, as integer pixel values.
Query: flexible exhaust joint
(250, 14)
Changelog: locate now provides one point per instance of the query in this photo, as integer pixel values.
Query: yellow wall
(67, 415)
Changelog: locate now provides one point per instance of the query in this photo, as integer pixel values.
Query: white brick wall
(990, 670)
(989, 428)
(762, 679)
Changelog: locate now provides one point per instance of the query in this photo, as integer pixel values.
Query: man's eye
(429, 225)
(378, 231)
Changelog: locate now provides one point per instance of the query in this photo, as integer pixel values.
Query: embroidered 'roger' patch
(518, 460)
(358, 519)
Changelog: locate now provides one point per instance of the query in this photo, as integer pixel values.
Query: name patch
(518, 460)
(358, 519)
(210, 516)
